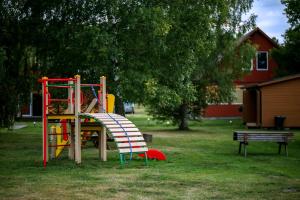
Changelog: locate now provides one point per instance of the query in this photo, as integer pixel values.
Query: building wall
(226, 109)
(223, 110)
(255, 76)
(281, 99)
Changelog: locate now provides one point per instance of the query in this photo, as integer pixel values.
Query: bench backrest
(262, 136)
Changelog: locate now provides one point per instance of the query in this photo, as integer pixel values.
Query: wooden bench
(244, 137)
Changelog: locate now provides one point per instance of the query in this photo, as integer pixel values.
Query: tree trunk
(183, 117)
(11, 121)
(119, 107)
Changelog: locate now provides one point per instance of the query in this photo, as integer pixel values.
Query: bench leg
(240, 147)
(279, 147)
(244, 144)
(285, 148)
(245, 149)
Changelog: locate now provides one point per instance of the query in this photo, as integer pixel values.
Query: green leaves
(160, 53)
(292, 11)
(199, 50)
(288, 56)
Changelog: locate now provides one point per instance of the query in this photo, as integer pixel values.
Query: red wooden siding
(262, 44)
(228, 110)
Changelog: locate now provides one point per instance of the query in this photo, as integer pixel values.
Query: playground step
(120, 126)
(132, 144)
(125, 139)
(134, 150)
(122, 134)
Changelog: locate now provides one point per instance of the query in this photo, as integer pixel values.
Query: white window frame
(257, 69)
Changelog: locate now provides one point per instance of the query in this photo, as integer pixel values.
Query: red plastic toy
(154, 154)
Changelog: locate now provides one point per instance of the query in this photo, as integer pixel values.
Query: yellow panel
(59, 149)
(110, 103)
(59, 141)
(58, 136)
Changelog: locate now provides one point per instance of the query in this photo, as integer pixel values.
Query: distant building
(262, 69)
(265, 101)
(34, 109)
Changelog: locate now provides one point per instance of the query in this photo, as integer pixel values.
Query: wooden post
(102, 142)
(70, 97)
(71, 153)
(77, 121)
(45, 121)
(71, 111)
(53, 142)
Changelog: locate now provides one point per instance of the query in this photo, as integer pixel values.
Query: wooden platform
(60, 116)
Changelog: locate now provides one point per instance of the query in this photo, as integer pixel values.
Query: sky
(270, 17)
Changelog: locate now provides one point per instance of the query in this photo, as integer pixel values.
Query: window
(262, 60)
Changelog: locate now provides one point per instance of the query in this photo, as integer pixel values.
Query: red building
(262, 69)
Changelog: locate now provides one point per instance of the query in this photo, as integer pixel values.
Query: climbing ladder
(127, 136)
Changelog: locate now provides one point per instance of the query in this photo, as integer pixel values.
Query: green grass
(202, 164)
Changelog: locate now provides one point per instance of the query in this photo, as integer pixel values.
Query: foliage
(50, 38)
(16, 41)
(199, 49)
(288, 56)
(160, 53)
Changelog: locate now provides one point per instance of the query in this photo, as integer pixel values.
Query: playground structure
(74, 123)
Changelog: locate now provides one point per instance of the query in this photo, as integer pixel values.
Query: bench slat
(263, 132)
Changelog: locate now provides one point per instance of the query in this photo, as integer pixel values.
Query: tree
(33, 35)
(16, 41)
(161, 53)
(288, 56)
(197, 50)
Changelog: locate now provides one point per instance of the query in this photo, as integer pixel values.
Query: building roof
(274, 81)
(249, 34)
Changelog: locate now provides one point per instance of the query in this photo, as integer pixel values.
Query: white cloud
(270, 17)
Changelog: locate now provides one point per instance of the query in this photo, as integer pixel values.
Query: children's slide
(126, 135)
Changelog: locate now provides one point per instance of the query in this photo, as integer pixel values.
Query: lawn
(202, 164)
